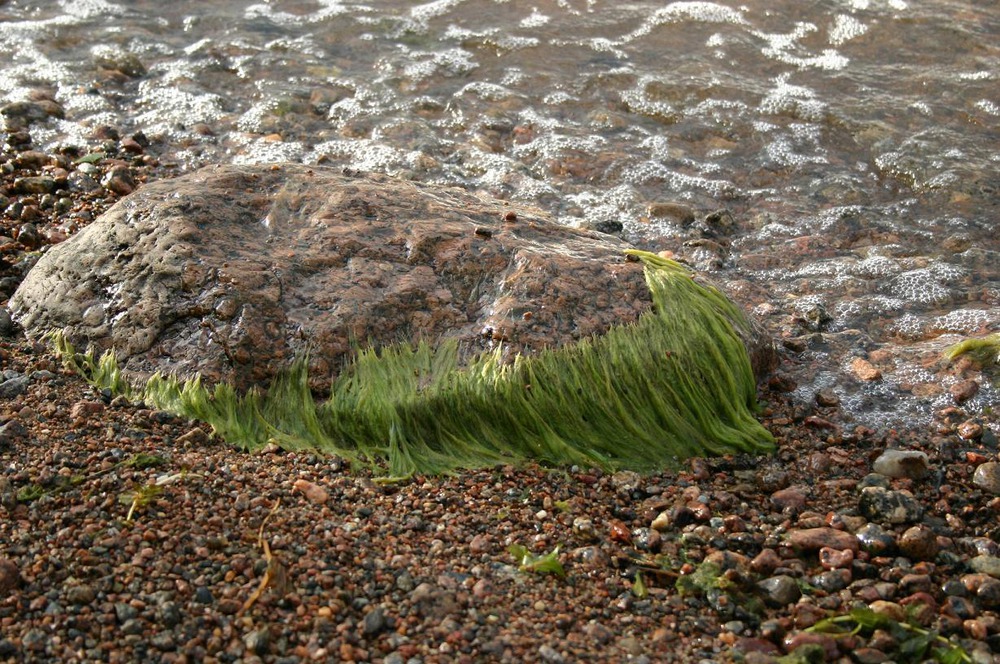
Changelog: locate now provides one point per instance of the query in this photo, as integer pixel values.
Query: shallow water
(856, 142)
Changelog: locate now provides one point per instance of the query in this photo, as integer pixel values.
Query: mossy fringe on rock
(676, 383)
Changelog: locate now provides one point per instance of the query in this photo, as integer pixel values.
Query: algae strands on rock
(484, 336)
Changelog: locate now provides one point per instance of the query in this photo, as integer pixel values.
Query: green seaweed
(140, 498)
(674, 384)
(984, 350)
(916, 643)
(535, 564)
(707, 576)
(639, 588)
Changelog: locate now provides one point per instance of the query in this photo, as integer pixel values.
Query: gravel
(725, 559)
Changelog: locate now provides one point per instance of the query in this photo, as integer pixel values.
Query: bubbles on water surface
(964, 321)
(535, 20)
(676, 12)
(921, 286)
(87, 9)
(845, 28)
(326, 9)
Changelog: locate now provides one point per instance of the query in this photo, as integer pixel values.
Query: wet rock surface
(232, 271)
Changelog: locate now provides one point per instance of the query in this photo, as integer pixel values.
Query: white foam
(449, 62)
(964, 321)
(261, 151)
(170, 107)
(617, 203)
(603, 45)
(783, 152)
(253, 119)
(87, 9)
(677, 12)
(796, 100)
(425, 12)
(784, 48)
(845, 28)
(327, 8)
(648, 172)
(535, 20)
(988, 106)
(363, 155)
(486, 91)
(920, 285)
(558, 97)
(876, 267)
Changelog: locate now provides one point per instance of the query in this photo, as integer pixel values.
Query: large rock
(233, 270)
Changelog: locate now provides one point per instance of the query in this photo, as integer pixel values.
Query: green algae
(674, 384)
(983, 350)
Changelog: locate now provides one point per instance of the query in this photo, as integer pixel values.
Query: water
(855, 142)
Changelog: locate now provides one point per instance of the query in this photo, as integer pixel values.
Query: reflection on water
(854, 141)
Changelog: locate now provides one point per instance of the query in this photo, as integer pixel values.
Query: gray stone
(7, 327)
(550, 654)
(163, 641)
(986, 477)
(132, 626)
(901, 463)
(81, 594)
(233, 270)
(833, 580)
(988, 594)
(40, 184)
(779, 591)
(374, 622)
(169, 613)
(874, 479)
(986, 565)
(125, 612)
(257, 641)
(886, 506)
(12, 387)
(12, 431)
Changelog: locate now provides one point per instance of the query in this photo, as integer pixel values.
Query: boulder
(231, 271)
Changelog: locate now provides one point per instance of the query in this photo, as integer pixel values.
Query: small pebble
(985, 564)
(889, 506)
(970, 430)
(812, 539)
(779, 591)
(874, 539)
(918, 543)
(987, 477)
(10, 576)
(81, 594)
(314, 493)
(902, 463)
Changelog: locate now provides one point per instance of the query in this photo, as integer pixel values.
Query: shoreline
(420, 569)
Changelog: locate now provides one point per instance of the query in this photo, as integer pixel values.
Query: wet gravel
(288, 557)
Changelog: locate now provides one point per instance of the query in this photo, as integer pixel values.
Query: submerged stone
(232, 271)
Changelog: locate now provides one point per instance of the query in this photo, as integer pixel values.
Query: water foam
(327, 8)
(677, 12)
(844, 29)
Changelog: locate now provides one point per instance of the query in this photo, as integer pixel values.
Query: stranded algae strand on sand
(676, 383)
